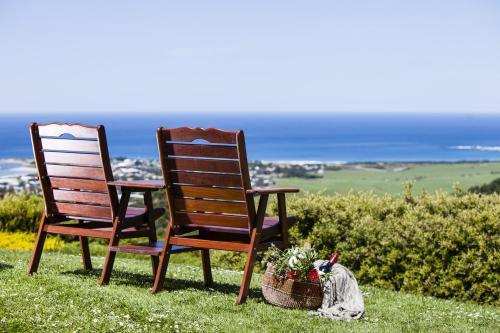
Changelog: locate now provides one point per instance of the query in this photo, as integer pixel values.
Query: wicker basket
(279, 290)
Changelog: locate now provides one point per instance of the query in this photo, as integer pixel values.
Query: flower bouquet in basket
(290, 279)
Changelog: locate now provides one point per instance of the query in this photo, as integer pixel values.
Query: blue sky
(269, 55)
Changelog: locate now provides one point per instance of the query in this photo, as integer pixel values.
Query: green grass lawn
(62, 298)
(428, 177)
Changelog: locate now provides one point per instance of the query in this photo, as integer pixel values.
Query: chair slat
(226, 207)
(75, 171)
(200, 150)
(81, 197)
(210, 244)
(209, 193)
(77, 131)
(210, 179)
(188, 134)
(73, 159)
(70, 145)
(78, 184)
(218, 220)
(192, 164)
(81, 210)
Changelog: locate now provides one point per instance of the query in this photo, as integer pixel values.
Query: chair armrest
(259, 191)
(139, 185)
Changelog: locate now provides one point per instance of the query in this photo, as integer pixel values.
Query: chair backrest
(206, 181)
(73, 166)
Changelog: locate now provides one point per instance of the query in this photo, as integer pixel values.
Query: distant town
(263, 174)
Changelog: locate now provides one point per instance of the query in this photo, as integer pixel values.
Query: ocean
(307, 136)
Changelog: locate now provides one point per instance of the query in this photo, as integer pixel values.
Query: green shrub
(20, 212)
(440, 244)
(489, 188)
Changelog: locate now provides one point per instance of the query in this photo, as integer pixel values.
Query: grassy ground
(428, 177)
(62, 298)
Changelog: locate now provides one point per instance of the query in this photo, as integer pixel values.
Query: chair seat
(132, 213)
(103, 228)
(153, 249)
(270, 228)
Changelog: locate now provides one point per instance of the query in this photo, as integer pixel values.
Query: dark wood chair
(209, 191)
(80, 195)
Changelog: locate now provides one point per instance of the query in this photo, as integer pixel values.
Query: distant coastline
(19, 175)
(16, 167)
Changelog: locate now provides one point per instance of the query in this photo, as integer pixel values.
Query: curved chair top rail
(190, 134)
(74, 129)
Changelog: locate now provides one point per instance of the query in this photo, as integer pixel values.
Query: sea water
(306, 136)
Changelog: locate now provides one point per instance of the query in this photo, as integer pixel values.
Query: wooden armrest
(258, 191)
(139, 185)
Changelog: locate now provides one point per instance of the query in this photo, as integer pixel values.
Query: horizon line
(295, 112)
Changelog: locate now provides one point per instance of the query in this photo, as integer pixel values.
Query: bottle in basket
(327, 266)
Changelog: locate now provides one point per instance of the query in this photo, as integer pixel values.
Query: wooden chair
(80, 195)
(209, 191)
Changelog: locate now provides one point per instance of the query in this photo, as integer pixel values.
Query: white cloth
(342, 299)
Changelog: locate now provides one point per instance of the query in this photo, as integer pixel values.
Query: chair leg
(152, 239)
(115, 238)
(37, 250)
(107, 267)
(163, 265)
(207, 270)
(283, 218)
(247, 277)
(108, 263)
(84, 248)
(252, 252)
(162, 270)
(148, 202)
(154, 264)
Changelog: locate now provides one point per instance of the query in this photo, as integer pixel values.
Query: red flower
(313, 275)
(291, 275)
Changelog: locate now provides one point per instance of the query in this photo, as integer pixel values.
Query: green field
(426, 177)
(62, 298)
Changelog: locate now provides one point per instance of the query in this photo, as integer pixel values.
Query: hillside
(64, 299)
(426, 176)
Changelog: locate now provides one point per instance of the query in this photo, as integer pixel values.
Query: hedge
(440, 244)
(489, 188)
(20, 212)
